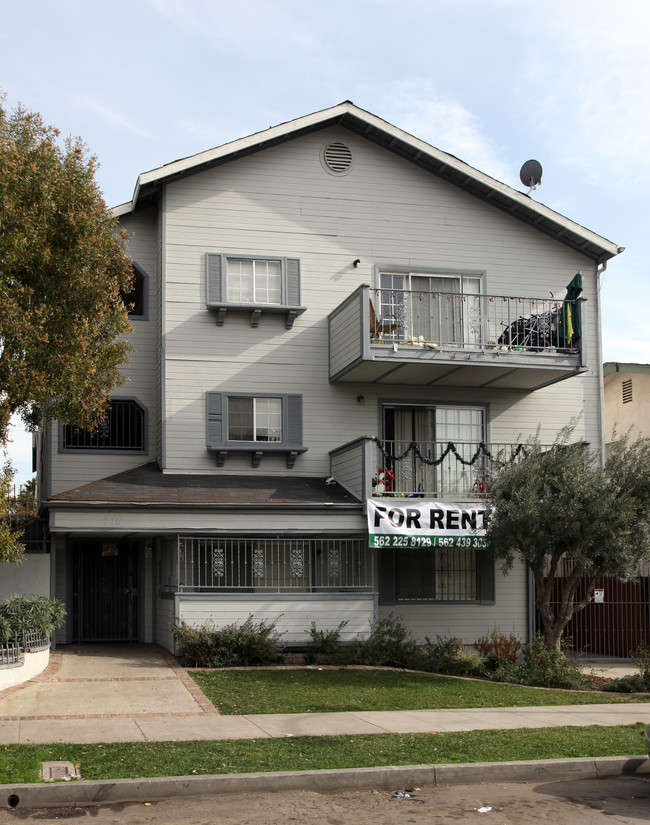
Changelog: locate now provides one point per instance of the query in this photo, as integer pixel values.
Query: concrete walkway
(137, 693)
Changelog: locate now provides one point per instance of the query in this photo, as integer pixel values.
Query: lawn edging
(102, 792)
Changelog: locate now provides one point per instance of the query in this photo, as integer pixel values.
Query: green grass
(20, 763)
(310, 691)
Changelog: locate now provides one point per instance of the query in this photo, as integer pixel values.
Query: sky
(493, 82)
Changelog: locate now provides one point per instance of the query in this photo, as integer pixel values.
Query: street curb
(109, 791)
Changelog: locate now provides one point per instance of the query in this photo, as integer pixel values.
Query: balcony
(439, 339)
(453, 471)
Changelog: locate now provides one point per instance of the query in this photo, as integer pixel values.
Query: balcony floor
(502, 370)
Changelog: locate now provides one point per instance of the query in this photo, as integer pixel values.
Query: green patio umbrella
(570, 318)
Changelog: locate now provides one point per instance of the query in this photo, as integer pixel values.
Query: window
(259, 284)
(256, 282)
(280, 565)
(431, 429)
(135, 300)
(243, 422)
(437, 307)
(440, 575)
(122, 430)
(255, 419)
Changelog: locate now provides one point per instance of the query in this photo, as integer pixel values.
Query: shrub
(25, 614)
(626, 684)
(230, 646)
(195, 643)
(5, 630)
(543, 667)
(641, 658)
(503, 670)
(498, 646)
(390, 644)
(452, 657)
(326, 645)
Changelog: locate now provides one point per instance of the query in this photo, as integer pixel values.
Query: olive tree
(558, 510)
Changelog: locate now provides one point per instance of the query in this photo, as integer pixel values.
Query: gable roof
(384, 134)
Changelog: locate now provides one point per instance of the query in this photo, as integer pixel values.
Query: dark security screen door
(104, 591)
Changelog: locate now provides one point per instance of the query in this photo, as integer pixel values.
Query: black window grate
(121, 429)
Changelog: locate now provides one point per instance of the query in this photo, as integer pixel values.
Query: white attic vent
(337, 157)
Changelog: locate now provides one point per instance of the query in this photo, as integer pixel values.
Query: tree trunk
(554, 624)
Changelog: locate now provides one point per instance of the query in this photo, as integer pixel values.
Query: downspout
(600, 271)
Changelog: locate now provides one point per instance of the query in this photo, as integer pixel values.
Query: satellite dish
(531, 174)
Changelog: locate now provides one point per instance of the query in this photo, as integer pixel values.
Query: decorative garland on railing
(450, 448)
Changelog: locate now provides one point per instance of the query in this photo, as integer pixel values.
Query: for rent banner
(417, 523)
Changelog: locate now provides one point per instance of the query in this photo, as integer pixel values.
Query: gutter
(202, 506)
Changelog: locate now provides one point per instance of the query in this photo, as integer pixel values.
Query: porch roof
(147, 484)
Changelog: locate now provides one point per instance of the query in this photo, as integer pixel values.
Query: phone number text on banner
(424, 524)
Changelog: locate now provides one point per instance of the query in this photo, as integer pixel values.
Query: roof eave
(379, 131)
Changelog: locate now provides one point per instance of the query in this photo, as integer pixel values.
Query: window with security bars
(443, 575)
(278, 565)
(446, 574)
(123, 429)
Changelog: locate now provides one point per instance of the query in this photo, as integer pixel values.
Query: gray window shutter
(215, 419)
(485, 577)
(294, 420)
(214, 278)
(293, 282)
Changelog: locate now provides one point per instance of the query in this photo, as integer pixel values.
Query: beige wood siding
(345, 334)
(30, 578)
(71, 470)
(621, 417)
(271, 522)
(292, 615)
(385, 212)
(470, 622)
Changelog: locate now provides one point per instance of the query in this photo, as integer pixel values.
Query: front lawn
(21, 763)
(243, 692)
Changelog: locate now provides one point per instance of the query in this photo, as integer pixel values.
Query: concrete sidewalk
(139, 693)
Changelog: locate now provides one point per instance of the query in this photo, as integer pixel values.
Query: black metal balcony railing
(437, 469)
(451, 320)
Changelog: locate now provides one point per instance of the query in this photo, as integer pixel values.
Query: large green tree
(63, 270)
(559, 511)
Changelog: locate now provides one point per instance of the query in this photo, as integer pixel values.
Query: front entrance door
(104, 591)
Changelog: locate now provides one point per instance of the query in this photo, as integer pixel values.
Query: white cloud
(419, 107)
(272, 30)
(584, 81)
(117, 119)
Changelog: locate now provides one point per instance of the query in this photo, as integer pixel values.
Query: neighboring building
(317, 305)
(627, 399)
